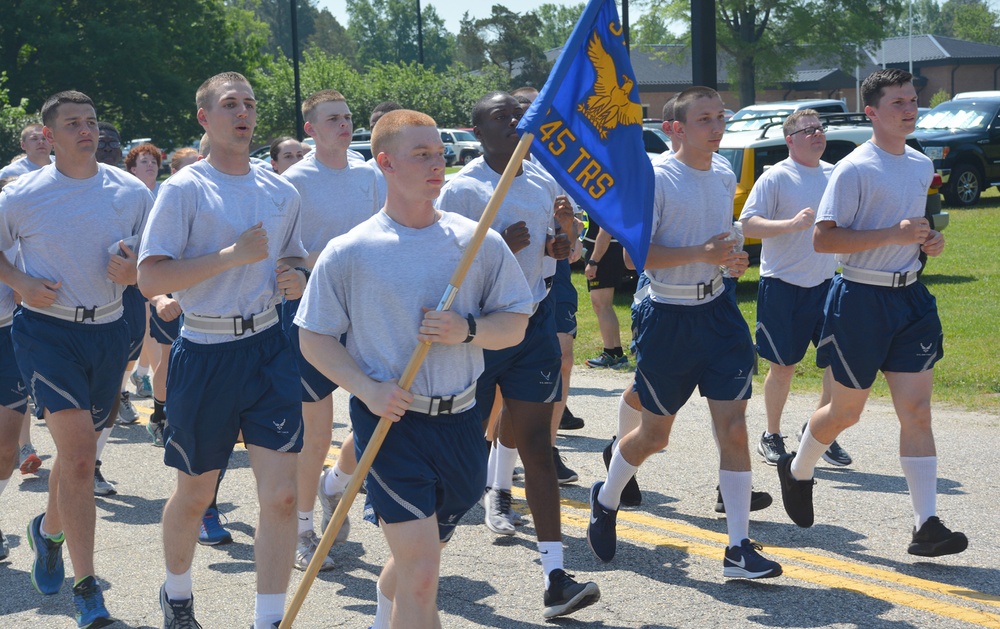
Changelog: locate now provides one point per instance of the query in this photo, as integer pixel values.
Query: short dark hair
(205, 90)
(51, 107)
(480, 109)
(276, 145)
(686, 98)
(873, 87)
(668, 108)
(107, 126)
(322, 96)
(382, 109)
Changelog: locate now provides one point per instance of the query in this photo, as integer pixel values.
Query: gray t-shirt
(7, 303)
(372, 282)
(65, 227)
(873, 189)
(783, 191)
(22, 166)
(690, 206)
(200, 211)
(530, 199)
(334, 200)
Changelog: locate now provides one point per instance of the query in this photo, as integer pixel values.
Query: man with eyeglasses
(37, 153)
(794, 279)
(109, 144)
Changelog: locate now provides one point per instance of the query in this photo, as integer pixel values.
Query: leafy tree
(651, 29)
(506, 40)
(386, 31)
(557, 23)
(12, 120)
(940, 96)
(972, 20)
(767, 38)
(140, 62)
(332, 38)
(926, 20)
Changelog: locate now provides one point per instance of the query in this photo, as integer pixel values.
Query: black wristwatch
(472, 328)
(305, 271)
(593, 261)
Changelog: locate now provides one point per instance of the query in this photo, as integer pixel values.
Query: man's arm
(828, 237)
(291, 281)
(159, 275)
(34, 292)
(716, 250)
(760, 227)
(497, 330)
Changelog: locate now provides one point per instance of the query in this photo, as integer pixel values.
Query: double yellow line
(891, 587)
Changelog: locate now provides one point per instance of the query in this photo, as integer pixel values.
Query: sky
(453, 10)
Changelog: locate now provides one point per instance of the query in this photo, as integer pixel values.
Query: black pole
(628, 49)
(703, 51)
(420, 35)
(295, 68)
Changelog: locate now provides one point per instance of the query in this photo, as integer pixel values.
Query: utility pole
(420, 35)
(295, 69)
(703, 48)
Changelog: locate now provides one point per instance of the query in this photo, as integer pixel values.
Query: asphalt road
(849, 570)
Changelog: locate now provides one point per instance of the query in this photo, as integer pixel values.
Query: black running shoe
(602, 535)
(563, 474)
(758, 500)
(745, 562)
(835, 455)
(935, 539)
(631, 495)
(796, 495)
(565, 596)
(569, 421)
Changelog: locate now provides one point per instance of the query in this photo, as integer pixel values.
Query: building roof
(930, 48)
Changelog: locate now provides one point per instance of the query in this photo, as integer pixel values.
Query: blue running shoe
(48, 571)
(744, 562)
(212, 532)
(601, 534)
(89, 602)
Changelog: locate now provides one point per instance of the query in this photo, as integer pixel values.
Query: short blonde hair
(203, 97)
(387, 131)
(180, 155)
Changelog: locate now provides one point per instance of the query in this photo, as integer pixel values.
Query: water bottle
(736, 237)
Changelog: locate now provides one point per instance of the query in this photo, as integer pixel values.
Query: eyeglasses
(810, 131)
(109, 145)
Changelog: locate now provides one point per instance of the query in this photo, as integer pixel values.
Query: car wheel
(965, 186)
(465, 158)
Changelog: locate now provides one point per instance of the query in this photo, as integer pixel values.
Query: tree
(386, 31)
(766, 38)
(508, 41)
(140, 62)
(332, 38)
(12, 120)
(651, 29)
(972, 20)
(557, 23)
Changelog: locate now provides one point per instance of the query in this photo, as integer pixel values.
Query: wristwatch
(472, 328)
(593, 261)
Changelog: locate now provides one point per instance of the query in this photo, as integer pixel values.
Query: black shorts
(611, 269)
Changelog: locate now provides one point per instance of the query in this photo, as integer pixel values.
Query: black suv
(962, 136)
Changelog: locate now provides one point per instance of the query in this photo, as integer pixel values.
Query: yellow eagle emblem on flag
(609, 106)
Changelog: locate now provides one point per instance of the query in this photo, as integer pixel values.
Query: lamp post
(295, 69)
(420, 35)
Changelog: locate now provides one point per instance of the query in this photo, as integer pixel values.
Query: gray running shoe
(126, 412)
(771, 448)
(143, 387)
(177, 614)
(306, 548)
(329, 504)
(498, 508)
(155, 430)
(101, 486)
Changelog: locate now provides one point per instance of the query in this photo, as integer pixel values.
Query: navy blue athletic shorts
(13, 393)
(427, 465)
(163, 332)
(564, 299)
(315, 386)
(789, 317)
(71, 365)
(134, 313)
(529, 371)
(682, 347)
(215, 391)
(868, 329)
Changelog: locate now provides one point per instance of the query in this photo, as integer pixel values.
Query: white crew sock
(383, 612)
(45, 533)
(305, 521)
(103, 441)
(268, 610)
(178, 586)
(735, 488)
(491, 465)
(336, 481)
(810, 451)
(506, 460)
(620, 472)
(551, 554)
(141, 370)
(628, 417)
(921, 479)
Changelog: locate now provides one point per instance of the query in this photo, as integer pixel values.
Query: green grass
(965, 279)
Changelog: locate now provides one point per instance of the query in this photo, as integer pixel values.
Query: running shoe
(796, 494)
(834, 455)
(607, 360)
(4, 547)
(329, 504)
(102, 487)
(89, 602)
(631, 495)
(27, 459)
(126, 412)
(212, 532)
(48, 571)
(570, 421)
(143, 387)
(744, 562)
(602, 536)
(565, 596)
(758, 500)
(155, 430)
(177, 614)
(935, 539)
(498, 508)
(306, 548)
(563, 474)
(771, 447)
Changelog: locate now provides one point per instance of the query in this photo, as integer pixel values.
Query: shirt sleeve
(842, 198)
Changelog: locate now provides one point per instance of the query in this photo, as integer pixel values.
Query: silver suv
(466, 146)
(756, 116)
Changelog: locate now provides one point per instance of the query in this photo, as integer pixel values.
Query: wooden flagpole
(405, 381)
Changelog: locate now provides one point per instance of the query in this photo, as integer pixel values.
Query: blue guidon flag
(587, 123)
